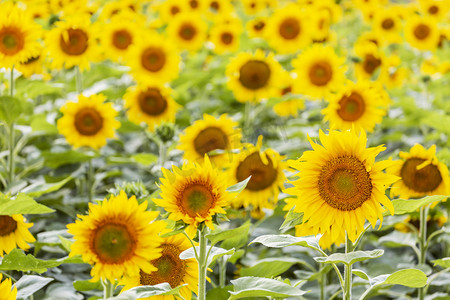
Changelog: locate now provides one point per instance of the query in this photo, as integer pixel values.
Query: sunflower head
(14, 233)
(188, 31)
(256, 27)
(422, 33)
(225, 37)
(9, 292)
(371, 62)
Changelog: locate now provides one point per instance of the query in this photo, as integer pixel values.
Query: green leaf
(17, 260)
(87, 285)
(262, 287)
(403, 206)
(215, 253)
(398, 239)
(66, 243)
(361, 274)
(291, 220)
(220, 235)
(269, 267)
(10, 109)
(409, 277)
(27, 285)
(38, 189)
(39, 123)
(23, 204)
(56, 159)
(239, 187)
(145, 159)
(443, 262)
(219, 293)
(350, 258)
(162, 289)
(280, 241)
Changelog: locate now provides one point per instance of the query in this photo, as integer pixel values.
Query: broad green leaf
(38, 189)
(56, 159)
(10, 109)
(23, 204)
(403, 206)
(66, 243)
(39, 123)
(145, 159)
(409, 277)
(162, 289)
(27, 285)
(398, 239)
(220, 235)
(269, 267)
(262, 287)
(17, 260)
(215, 253)
(219, 293)
(350, 258)
(291, 220)
(280, 241)
(443, 262)
(361, 274)
(34, 88)
(87, 285)
(239, 187)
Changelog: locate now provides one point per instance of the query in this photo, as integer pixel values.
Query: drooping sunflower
(253, 77)
(194, 194)
(7, 290)
(387, 24)
(357, 105)
(225, 37)
(287, 29)
(340, 185)
(14, 232)
(153, 59)
(320, 71)
(371, 61)
(188, 31)
(118, 236)
(88, 122)
(422, 32)
(210, 134)
(73, 42)
(421, 174)
(267, 171)
(170, 268)
(256, 27)
(19, 35)
(152, 105)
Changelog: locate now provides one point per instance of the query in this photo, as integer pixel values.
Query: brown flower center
(263, 175)
(352, 107)
(76, 42)
(254, 74)
(344, 183)
(286, 90)
(215, 6)
(259, 26)
(174, 10)
(7, 225)
(122, 39)
(113, 243)
(11, 40)
(196, 199)
(226, 38)
(187, 31)
(171, 268)
(153, 59)
(193, 4)
(387, 24)
(289, 28)
(433, 9)
(209, 139)
(424, 180)
(371, 63)
(152, 102)
(422, 31)
(88, 121)
(320, 73)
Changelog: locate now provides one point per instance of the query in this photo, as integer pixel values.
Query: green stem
(202, 265)
(247, 118)
(422, 243)
(222, 271)
(11, 135)
(108, 289)
(90, 180)
(338, 273)
(322, 283)
(348, 270)
(79, 80)
(162, 153)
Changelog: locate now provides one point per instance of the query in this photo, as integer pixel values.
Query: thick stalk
(322, 283)
(90, 180)
(348, 271)
(162, 153)
(11, 135)
(108, 289)
(202, 265)
(422, 243)
(79, 80)
(222, 271)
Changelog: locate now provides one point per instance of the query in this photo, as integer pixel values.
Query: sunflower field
(224, 149)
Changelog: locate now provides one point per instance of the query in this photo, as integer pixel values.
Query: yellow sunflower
(14, 232)
(34, 65)
(7, 291)
(88, 122)
(152, 105)
(369, 37)
(340, 185)
(168, 9)
(118, 236)
(394, 75)
(330, 7)
(170, 268)
(267, 171)
(252, 7)
(115, 8)
(387, 24)
(153, 59)
(321, 22)
(217, 8)
(371, 61)
(19, 35)
(225, 37)
(421, 174)
(193, 194)
(326, 240)
(253, 77)
(422, 32)
(188, 31)
(208, 135)
(73, 42)
(196, 6)
(319, 71)
(357, 105)
(288, 29)
(437, 9)
(289, 106)
(256, 28)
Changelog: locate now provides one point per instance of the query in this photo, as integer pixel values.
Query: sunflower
(422, 32)
(118, 236)
(357, 105)
(72, 43)
(152, 105)
(7, 291)
(394, 75)
(253, 77)
(321, 21)
(168, 9)
(387, 24)
(114, 8)
(217, 8)
(256, 28)
(14, 232)
(33, 65)
(19, 35)
(252, 7)
(208, 135)
(330, 7)
(371, 61)
(188, 31)
(193, 194)
(421, 174)
(326, 240)
(287, 29)
(340, 185)
(320, 71)
(289, 106)
(170, 268)
(153, 59)
(267, 171)
(225, 37)
(196, 6)
(369, 37)
(88, 122)
(437, 9)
